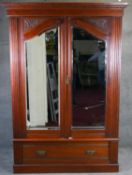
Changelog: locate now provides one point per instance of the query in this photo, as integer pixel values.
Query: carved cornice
(65, 9)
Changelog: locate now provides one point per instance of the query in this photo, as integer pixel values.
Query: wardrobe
(65, 61)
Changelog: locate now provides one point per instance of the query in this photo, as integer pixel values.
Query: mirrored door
(42, 77)
(65, 76)
(88, 80)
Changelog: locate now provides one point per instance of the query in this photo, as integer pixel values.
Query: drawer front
(92, 152)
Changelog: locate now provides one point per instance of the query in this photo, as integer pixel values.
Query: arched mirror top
(102, 23)
(36, 26)
(98, 27)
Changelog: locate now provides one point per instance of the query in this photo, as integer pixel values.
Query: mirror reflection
(42, 80)
(89, 82)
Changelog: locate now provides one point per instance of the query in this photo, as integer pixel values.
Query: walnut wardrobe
(65, 76)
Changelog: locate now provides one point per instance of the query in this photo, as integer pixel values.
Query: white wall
(37, 80)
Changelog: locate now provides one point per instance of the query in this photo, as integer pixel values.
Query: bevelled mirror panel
(42, 80)
(88, 80)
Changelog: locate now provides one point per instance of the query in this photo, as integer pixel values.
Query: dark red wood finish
(42, 27)
(65, 9)
(90, 28)
(28, 144)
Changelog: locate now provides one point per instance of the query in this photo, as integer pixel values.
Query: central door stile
(65, 77)
(69, 75)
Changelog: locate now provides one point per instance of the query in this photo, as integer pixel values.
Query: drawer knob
(41, 153)
(90, 152)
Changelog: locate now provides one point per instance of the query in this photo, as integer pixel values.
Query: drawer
(91, 152)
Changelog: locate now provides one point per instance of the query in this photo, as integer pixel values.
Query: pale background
(126, 80)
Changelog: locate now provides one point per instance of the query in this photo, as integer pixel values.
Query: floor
(89, 107)
(125, 159)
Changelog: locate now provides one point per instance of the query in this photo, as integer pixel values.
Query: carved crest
(102, 23)
(29, 23)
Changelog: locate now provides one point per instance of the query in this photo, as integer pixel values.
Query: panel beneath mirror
(42, 81)
(88, 82)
